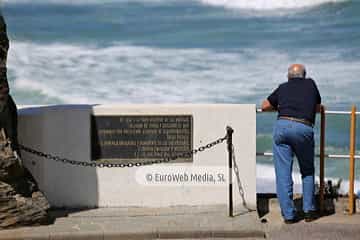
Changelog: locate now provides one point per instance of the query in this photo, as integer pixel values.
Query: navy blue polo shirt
(296, 98)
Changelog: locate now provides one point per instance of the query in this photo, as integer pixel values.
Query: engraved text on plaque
(128, 138)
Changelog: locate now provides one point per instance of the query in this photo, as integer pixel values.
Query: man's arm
(266, 106)
(271, 103)
(318, 97)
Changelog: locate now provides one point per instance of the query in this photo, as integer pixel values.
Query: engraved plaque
(140, 138)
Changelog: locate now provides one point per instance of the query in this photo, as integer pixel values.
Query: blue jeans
(293, 138)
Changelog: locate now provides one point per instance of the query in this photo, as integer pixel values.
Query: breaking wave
(265, 181)
(244, 4)
(268, 4)
(135, 74)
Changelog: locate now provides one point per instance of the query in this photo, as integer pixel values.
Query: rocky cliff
(21, 202)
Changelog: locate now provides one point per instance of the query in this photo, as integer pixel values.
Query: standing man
(297, 102)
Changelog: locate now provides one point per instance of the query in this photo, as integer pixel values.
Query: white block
(65, 131)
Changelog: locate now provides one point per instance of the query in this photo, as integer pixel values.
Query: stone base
(21, 203)
(17, 210)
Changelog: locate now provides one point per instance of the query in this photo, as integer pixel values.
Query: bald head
(296, 71)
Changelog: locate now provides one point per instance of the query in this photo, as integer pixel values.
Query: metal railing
(322, 155)
(334, 156)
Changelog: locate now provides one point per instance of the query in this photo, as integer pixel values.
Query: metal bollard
(230, 132)
(322, 159)
(351, 207)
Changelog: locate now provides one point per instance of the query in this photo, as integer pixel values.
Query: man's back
(296, 98)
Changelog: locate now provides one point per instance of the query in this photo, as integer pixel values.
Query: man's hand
(266, 106)
(318, 108)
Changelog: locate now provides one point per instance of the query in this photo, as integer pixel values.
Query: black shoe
(310, 216)
(291, 221)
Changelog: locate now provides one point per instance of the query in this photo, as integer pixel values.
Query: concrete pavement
(144, 223)
(210, 222)
(335, 226)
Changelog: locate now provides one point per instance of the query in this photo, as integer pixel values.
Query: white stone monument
(66, 131)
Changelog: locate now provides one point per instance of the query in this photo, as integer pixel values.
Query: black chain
(122, 165)
(239, 183)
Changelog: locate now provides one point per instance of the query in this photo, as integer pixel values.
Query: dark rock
(21, 203)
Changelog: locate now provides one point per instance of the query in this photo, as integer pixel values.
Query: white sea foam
(123, 73)
(134, 74)
(244, 4)
(268, 4)
(265, 181)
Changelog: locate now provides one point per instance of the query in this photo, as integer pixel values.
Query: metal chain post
(230, 131)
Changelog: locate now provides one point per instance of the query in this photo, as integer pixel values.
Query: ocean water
(188, 51)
